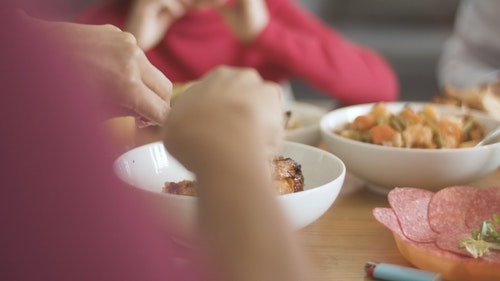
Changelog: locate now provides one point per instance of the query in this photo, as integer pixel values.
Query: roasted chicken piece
(185, 187)
(286, 174)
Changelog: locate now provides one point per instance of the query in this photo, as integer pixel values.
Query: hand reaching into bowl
(244, 99)
(118, 75)
(226, 135)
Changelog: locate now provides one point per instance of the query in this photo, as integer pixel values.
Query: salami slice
(449, 206)
(410, 206)
(482, 207)
(387, 217)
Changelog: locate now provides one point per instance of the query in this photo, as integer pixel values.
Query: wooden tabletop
(347, 235)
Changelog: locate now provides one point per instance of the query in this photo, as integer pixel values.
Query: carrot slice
(382, 133)
(364, 122)
(411, 115)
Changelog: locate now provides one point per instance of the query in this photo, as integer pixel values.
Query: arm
(318, 54)
(244, 231)
(471, 56)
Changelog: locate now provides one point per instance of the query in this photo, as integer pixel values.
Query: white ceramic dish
(387, 167)
(149, 166)
(307, 117)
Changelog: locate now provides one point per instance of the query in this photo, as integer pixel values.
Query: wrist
(250, 167)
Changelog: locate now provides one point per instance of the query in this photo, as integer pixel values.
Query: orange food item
(364, 122)
(451, 134)
(451, 267)
(411, 115)
(382, 133)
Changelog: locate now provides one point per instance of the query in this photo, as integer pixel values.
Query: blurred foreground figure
(64, 214)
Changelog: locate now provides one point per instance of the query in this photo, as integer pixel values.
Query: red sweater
(294, 44)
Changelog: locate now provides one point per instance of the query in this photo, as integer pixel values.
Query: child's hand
(246, 18)
(149, 20)
(226, 110)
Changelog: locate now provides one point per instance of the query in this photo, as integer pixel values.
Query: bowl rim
(311, 109)
(326, 130)
(313, 190)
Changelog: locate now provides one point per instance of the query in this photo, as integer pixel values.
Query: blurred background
(409, 34)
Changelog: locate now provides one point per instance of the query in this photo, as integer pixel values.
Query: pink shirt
(63, 213)
(294, 44)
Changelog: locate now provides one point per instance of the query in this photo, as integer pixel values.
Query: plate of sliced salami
(454, 231)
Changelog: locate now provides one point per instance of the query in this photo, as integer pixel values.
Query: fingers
(154, 92)
(245, 18)
(146, 90)
(175, 8)
(149, 20)
(150, 89)
(116, 71)
(276, 91)
(149, 105)
(159, 88)
(147, 26)
(275, 117)
(154, 79)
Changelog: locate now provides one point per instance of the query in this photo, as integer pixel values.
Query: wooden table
(347, 235)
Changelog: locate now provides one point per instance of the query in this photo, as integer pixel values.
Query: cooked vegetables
(413, 129)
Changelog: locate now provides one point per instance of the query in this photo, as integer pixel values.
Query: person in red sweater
(187, 38)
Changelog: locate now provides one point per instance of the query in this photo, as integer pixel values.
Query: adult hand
(246, 18)
(226, 111)
(116, 70)
(149, 20)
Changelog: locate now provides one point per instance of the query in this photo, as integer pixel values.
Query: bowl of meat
(454, 232)
(307, 182)
(416, 144)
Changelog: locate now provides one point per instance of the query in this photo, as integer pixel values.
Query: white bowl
(387, 167)
(149, 166)
(307, 117)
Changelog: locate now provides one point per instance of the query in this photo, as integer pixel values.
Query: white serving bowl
(384, 168)
(147, 167)
(307, 117)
